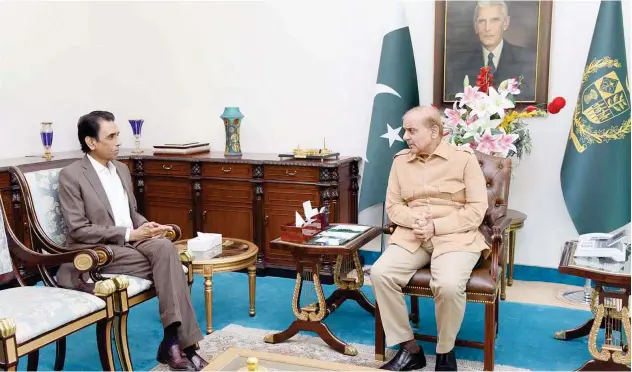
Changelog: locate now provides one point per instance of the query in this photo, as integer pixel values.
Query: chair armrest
(85, 260)
(499, 229)
(175, 235)
(389, 228)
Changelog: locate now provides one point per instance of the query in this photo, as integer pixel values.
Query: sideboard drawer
(226, 170)
(172, 168)
(289, 173)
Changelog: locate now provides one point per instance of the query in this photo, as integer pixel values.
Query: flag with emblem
(595, 171)
(396, 92)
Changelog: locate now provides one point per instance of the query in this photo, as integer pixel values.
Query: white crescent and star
(391, 134)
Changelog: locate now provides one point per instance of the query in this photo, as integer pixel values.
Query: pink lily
(504, 142)
(469, 96)
(486, 142)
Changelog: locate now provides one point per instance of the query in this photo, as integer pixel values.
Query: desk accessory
(310, 153)
(302, 231)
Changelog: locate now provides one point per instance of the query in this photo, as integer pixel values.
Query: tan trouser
(450, 273)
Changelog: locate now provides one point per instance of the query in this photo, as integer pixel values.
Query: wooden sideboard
(247, 197)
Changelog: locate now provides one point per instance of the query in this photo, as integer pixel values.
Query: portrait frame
(442, 68)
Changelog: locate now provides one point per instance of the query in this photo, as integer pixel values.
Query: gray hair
(486, 3)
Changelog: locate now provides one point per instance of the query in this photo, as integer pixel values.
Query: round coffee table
(236, 255)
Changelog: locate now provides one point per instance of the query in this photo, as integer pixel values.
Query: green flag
(596, 168)
(396, 93)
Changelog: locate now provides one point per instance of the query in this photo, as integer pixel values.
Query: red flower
(530, 108)
(484, 80)
(556, 105)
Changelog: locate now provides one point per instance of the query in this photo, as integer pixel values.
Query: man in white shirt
(99, 207)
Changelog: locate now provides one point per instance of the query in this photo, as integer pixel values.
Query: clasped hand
(148, 231)
(423, 228)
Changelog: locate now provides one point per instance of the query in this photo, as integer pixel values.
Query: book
(181, 151)
(181, 145)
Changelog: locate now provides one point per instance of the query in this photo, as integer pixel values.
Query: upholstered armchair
(484, 284)
(39, 184)
(32, 317)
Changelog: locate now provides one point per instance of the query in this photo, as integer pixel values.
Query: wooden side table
(610, 307)
(310, 318)
(517, 222)
(236, 255)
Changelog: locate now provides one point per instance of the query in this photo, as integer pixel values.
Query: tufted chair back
(497, 173)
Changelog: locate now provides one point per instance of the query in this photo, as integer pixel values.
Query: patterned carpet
(307, 346)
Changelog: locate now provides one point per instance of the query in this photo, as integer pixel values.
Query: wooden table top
(233, 250)
(352, 245)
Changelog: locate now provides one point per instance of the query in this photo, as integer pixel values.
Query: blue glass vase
(46, 134)
(232, 121)
(137, 127)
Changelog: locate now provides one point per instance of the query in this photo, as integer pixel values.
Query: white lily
(498, 102)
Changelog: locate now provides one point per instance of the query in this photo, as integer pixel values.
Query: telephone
(602, 245)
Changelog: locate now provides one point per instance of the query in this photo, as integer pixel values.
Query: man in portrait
(491, 20)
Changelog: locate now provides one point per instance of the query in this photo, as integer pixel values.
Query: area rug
(306, 346)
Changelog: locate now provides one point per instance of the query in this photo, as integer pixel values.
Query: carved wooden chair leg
(490, 336)
(121, 311)
(414, 311)
(60, 354)
(380, 337)
(104, 343)
(120, 338)
(33, 360)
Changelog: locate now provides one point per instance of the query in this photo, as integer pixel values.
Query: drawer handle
(167, 167)
(227, 170)
(288, 173)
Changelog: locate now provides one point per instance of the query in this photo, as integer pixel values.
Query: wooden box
(291, 233)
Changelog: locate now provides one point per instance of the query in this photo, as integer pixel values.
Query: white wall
(300, 71)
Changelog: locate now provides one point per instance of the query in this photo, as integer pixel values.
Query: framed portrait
(511, 37)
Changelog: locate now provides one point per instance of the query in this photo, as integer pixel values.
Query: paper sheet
(298, 220)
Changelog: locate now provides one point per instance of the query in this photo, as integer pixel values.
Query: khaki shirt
(449, 185)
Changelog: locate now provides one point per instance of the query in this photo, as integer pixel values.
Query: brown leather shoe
(198, 361)
(172, 355)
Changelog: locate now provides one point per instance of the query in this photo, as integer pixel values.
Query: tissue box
(291, 233)
(205, 242)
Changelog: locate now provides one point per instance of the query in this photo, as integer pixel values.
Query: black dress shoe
(198, 362)
(446, 362)
(404, 360)
(171, 354)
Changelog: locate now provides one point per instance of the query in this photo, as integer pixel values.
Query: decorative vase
(46, 134)
(137, 127)
(232, 121)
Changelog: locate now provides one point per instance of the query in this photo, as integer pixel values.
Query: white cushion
(37, 310)
(136, 284)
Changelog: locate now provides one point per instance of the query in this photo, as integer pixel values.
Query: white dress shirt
(116, 194)
(497, 52)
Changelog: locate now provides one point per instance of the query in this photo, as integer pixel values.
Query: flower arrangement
(485, 119)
